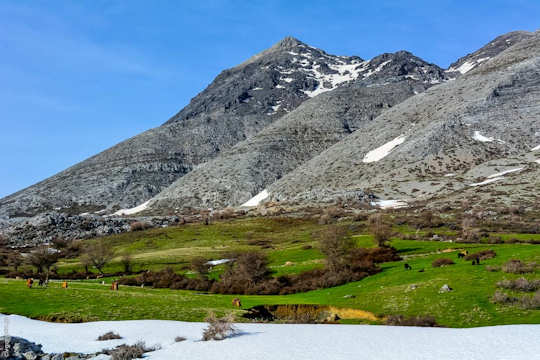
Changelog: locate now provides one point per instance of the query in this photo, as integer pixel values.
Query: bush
(516, 266)
(531, 302)
(481, 255)
(129, 352)
(520, 284)
(442, 262)
(500, 297)
(218, 328)
(139, 226)
(109, 336)
(400, 320)
(179, 339)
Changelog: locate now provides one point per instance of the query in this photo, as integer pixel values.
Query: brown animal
(29, 283)
(114, 286)
(236, 302)
(65, 285)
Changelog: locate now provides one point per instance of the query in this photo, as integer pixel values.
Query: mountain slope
(238, 104)
(439, 143)
(241, 172)
(491, 49)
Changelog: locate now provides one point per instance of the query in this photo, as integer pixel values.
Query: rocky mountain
(474, 138)
(294, 124)
(238, 104)
(486, 52)
(236, 175)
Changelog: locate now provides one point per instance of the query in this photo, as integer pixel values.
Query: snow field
(287, 342)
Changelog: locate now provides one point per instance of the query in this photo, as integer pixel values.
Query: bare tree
(98, 254)
(335, 244)
(127, 263)
(15, 260)
(200, 266)
(43, 258)
(380, 230)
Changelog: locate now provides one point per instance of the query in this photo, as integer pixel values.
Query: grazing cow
(236, 302)
(407, 266)
(29, 282)
(114, 286)
(64, 285)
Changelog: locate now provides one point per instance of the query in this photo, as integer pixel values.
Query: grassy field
(385, 293)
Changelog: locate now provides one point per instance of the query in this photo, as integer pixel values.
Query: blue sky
(79, 76)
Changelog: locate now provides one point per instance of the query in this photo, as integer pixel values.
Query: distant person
(29, 282)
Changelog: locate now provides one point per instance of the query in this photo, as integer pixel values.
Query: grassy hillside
(284, 241)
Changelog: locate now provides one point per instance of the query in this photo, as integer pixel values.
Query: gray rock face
(247, 168)
(45, 227)
(493, 48)
(430, 145)
(238, 104)
(16, 348)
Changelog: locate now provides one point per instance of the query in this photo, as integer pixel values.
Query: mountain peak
(288, 42)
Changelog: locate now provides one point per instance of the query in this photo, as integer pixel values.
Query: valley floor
(273, 341)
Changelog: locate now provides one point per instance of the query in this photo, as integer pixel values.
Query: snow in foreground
(298, 342)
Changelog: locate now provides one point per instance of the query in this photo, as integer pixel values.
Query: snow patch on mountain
(479, 137)
(468, 65)
(257, 199)
(389, 204)
(485, 182)
(133, 210)
(504, 173)
(344, 73)
(536, 148)
(382, 151)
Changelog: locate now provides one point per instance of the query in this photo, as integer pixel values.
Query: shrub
(129, 352)
(140, 225)
(218, 328)
(200, 266)
(307, 247)
(481, 255)
(179, 339)
(442, 262)
(520, 284)
(516, 266)
(500, 297)
(531, 302)
(109, 336)
(400, 320)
